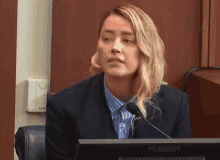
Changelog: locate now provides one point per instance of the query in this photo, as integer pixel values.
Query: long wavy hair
(149, 76)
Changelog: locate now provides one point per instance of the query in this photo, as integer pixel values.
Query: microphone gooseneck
(134, 109)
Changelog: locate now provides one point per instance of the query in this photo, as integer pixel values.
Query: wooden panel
(202, 88)
(210, 75)
(8, 33)
(212, 37)
(217, 46)
(214, 43)
(205, 33)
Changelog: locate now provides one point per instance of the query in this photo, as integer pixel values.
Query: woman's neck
(121, 88)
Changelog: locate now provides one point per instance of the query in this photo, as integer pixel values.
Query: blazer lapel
(143, 129)
(105, 112)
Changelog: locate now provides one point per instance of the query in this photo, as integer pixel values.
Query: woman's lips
(116, 60)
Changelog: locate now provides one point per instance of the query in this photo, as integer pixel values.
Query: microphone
(134, 109)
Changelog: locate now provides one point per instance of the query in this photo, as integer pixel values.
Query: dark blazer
(81, 112)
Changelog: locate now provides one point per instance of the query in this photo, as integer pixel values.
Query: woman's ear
(95, 60)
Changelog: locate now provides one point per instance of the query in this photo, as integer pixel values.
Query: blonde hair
(149, 76)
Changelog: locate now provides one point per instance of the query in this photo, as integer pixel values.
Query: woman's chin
(115, 72)
(118, 73)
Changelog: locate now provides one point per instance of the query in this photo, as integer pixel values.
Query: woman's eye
(128, 40)
(106, 39)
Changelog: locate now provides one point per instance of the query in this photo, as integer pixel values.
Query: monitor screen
(149, 149)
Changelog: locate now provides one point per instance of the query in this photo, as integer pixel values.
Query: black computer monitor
(149, 149)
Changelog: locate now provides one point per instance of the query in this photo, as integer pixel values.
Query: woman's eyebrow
(123, 32)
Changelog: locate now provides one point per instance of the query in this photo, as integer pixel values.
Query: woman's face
(118, 41)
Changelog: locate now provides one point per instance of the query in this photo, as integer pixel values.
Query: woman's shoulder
(170, 89)
(170, 92)
(79, 88)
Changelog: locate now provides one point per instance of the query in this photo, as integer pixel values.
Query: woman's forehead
(116, 23)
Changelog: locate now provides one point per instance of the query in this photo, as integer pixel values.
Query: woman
(127, 67)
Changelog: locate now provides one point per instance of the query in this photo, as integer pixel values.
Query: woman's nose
(117, 46)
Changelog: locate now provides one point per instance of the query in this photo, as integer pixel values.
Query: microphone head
(132, 107)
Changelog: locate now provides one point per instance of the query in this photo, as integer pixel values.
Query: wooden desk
(203, 89)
